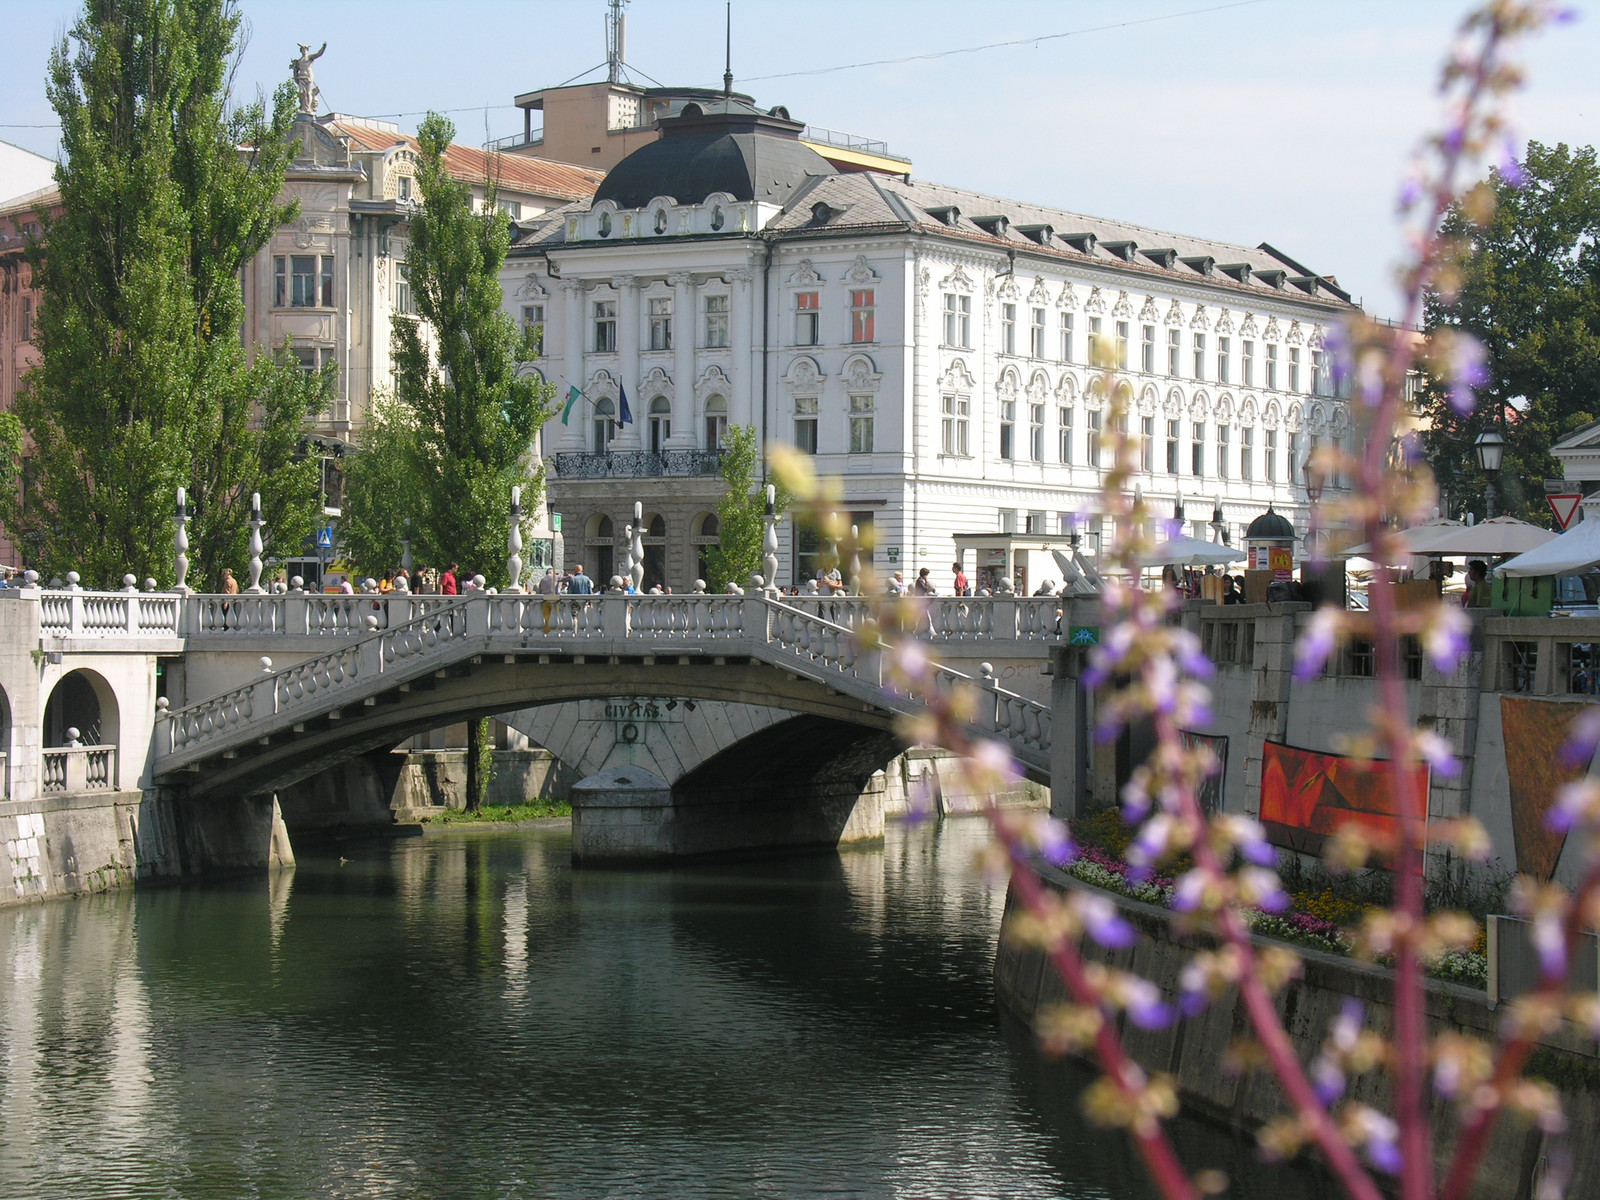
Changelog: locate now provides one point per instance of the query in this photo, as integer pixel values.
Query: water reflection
(467, 1015)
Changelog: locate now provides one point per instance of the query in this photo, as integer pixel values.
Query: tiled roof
(513, 172)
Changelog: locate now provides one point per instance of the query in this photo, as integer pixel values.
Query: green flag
(572, 398)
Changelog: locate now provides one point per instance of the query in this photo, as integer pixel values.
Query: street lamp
(1219, 527)
(1491, 447)
(1314, 478)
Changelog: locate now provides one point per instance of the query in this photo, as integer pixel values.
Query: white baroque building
(930, 345)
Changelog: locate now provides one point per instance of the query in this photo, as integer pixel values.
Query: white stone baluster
(514, 543)
(256, 546)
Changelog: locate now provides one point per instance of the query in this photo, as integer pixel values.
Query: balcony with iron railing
(849, 141)
(638, 464)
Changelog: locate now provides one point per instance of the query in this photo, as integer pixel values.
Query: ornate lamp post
(1219, 527)
(1491, 448)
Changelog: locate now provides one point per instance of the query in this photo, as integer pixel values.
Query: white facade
(940, 363)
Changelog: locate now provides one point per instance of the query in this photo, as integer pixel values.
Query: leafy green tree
(1529, 290)
(143, 382)
(464, 418)
(740, 528)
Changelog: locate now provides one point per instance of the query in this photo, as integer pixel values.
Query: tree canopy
(1529, 290)
(459, 432)
(143, 382)
(740, 513)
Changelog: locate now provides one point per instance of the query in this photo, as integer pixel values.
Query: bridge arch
(82, 700)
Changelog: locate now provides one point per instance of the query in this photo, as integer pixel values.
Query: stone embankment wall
(1194, 1052)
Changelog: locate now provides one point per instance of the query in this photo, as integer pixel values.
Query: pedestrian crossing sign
(325, 538)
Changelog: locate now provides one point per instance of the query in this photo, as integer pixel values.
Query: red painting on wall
(1306, 796)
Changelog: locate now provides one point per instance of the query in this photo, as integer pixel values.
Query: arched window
(661, 221)
(707, 531)
(660, 423)
(600, 549)
(716, 422)
(655, 551)
(605, 426)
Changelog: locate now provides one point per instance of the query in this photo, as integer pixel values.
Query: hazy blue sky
(1287, 121)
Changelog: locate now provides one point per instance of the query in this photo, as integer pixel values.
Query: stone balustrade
(80, 769)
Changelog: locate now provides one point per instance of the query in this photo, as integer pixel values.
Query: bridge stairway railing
(448, 633)
(79, 769)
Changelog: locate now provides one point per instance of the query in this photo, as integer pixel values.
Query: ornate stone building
(929, 344)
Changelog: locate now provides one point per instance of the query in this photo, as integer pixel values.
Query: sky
(1281, 121)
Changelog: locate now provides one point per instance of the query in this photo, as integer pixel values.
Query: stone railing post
(477, 614)
(755, 615)
(75, 608)
(76, 763)
(613, 616)
(1003, 610)
(297, 614)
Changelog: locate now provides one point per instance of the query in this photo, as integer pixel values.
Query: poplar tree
(468, 418)
(741, 513)
(143, 382)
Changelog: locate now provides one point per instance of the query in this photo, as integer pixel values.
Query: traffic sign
(1565, 507)
(325, 538)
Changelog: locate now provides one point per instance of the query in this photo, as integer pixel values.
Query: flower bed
(1318, 921)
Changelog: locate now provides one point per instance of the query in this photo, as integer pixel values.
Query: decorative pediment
(713, 381)
(805, 275)
(1293, 422)
(1224, 409)
(1247, 327)
(1316, 419)
(1174, 404)
(1175, 314)
(1068, 298)
(1200, 407)
(601, 386)
(861, 374)
(1339, 423)
(804, 376)
(860, 271)
(1200, 320)
(1148, 400)
(1122, 308)
(1096, 303)
(1225, 322)
(531, 288)
(1007, 386)
(1007, 290)
(957, 378)
(1095, 396)
(1271, 415)
(1247, 411)
(1296, 336)
(1148, 312)
(656, 382)
(1038, 388)
(1317, 339)
(957, 281)
(1067, 389)
(1038, 294)
(1271, 331)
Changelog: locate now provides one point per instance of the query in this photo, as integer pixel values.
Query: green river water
(466, 1015)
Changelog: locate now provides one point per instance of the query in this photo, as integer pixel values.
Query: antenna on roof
(727, 69)
(616, 40)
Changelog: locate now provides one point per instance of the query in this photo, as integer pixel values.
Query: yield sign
(1565, 507)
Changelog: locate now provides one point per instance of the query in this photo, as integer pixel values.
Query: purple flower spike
(1510, 170)
(1328, 1080)
(1574, 806)
(1435, 751)
(1104, 923)
(1142, 1000)
(1583, 739)
(1055, 843)
(1447, 638)
(1190, 889)
(1314, 647)
(1384, 1154)
(1410, 193)
(1551, 943)
(1468, 371)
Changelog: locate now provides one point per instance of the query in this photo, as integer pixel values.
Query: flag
(572, 398)
(623, 412)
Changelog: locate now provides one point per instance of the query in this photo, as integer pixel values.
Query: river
(464, 1014)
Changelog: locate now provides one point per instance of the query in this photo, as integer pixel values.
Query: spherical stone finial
(30, 577)
(757, 582)
(478, 581)
(72, 580)
(297, 584)
(149, 584)
(162, 704)
(266, 665)
(73, 735)
(986, 670)
(56, 584)
(130, 583)
(700, 586)
(370, 621)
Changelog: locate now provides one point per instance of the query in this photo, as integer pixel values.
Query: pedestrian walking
(447, 582)
(581, 584)
(923, 585)
(963, 588)
(230, 585)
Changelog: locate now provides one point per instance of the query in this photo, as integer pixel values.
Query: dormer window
(995, 225)
(1123, 250)
(1083, 243)
(1239, 271)
(1273, 279)
(661, 221)
(605, 224)
(821, 213)
(1201, 263)
(946, 215)
(717, 218)
(1162, 258)
(1038, 233)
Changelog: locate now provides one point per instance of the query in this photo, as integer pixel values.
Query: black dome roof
(722, 146)
(1269, 527)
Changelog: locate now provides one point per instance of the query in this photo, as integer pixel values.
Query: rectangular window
(1199, 356)
(511, 208)
(1174, 351)
(405, 187)
(1197, 449)
(1272, 367)
(532, 320)
(1247, 454)
(1036, 334)
(605, 326)
(1223, 353)
(1272, 456)
(805, 424)
(303, 280)
(25, 327)
(1008, 421)
(327, 281)
(1008, 329)
(660, 322)
(406, 306)
(1094, 439)
(1292, 470)
(1519, 666)
(1064, 434)
(1066, 336)
(313, 358)
(807, 319)
(860, 424)
(1008, 520)
(1147, 444)
(863, 324)
(716, 322)
(1247, 364)
(1173, 437)
(1122, 345)
(1034, 523)
(1036, 432)
(958, 320)
(1094, 342)
(1319, 374)
(1338, 479)
(956, 409)
(1224, 434)
(1147, 350)
(1294, 368)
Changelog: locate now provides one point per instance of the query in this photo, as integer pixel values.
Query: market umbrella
(1186, 551)
(1575, 550)
(1502, 535)
(1418, 538)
